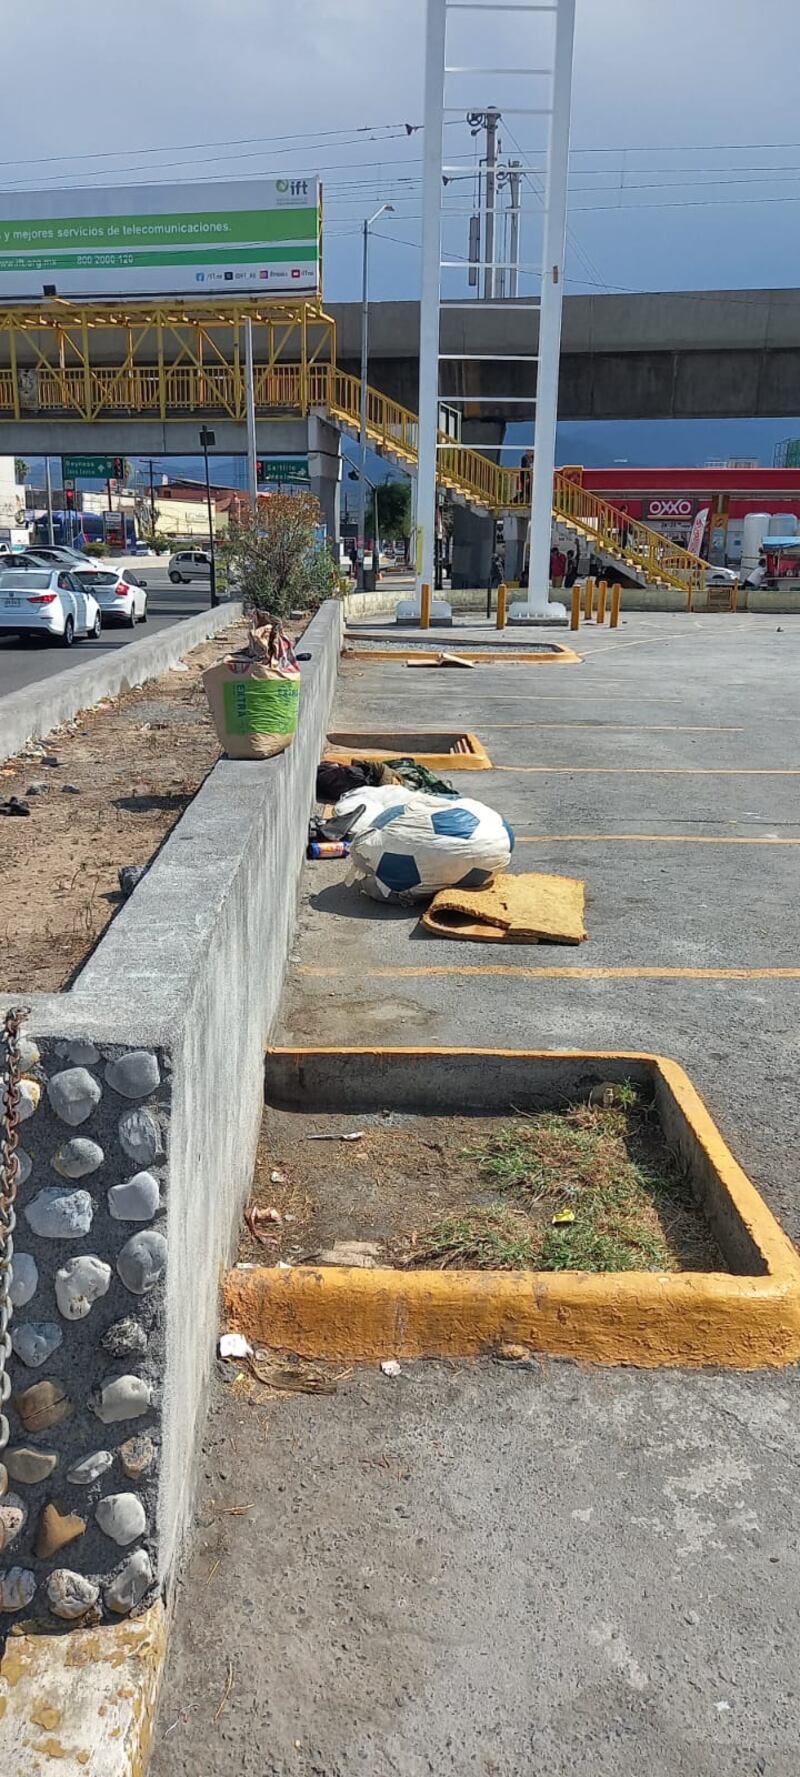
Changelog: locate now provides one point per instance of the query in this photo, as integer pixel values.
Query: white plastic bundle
(407, 844)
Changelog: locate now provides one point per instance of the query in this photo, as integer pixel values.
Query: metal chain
(9, 1175)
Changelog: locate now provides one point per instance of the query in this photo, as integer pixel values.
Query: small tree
(276, 557)
(20, 471)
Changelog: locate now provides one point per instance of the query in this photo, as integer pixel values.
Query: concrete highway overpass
(711, 354)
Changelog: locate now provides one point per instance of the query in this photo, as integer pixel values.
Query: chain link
(9, 1175)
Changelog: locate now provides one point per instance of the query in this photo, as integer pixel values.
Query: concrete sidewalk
(547, 1568)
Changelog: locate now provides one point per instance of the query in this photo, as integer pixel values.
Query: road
(24, 663)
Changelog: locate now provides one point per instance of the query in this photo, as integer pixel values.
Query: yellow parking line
(644, 839)
(410, 971)
(626, 727)
(657, 770)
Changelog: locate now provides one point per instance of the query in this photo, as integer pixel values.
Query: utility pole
(515, 189)
(210, 438)
(152, 499)
(488, 121)
(492, 120)
(250, 409)
(49, 486)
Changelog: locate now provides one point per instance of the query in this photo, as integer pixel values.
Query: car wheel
(97, 627)
(69, 633)
(144, 611)
(131, 621)
(175, 578)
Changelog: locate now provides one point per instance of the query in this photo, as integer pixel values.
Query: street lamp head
(385, 210)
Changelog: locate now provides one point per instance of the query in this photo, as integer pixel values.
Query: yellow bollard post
(602, 595)
(588, 600)
(575, 615)
(502, 601)
(425, 606)
(616, 600)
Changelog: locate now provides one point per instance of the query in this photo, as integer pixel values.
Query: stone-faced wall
(77, 1517)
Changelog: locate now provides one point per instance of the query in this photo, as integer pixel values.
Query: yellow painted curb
(745, 1321)
(476, 759)
(82, 1704)
(564, 657)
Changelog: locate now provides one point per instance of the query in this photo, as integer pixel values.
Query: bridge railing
(627, 539)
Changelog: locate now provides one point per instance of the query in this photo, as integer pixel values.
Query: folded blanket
(512, 910)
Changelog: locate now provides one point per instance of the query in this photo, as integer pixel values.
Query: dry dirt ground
(475, 1191)
(115, 782)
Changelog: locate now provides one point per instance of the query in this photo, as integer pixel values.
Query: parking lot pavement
(505, 1570)
(26, 662)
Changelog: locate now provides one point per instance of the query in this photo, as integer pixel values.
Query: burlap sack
(254, 697)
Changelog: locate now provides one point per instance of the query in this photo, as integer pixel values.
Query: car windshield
(90, 580)
(14, 581)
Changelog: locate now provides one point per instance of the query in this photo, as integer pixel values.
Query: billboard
(239, 237)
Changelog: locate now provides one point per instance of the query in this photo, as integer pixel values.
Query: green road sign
(95, 468)
(283, 469)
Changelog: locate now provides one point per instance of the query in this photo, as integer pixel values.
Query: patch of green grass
(478, 1240)
(607, 1165)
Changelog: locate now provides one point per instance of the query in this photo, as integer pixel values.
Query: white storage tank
(782, 524)
(754, 529)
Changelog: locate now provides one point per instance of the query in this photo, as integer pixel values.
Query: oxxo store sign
(671, 514)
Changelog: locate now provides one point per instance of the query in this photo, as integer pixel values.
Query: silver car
(189, 564)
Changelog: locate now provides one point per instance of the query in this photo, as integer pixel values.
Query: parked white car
(189, 564)
(47, 602)
(120, 593)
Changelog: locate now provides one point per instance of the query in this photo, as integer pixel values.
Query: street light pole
(152, 500)
(250, 409)
(210, 438)
(385, 209)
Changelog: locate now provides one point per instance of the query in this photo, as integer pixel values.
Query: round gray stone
(143, 1262)
(134, 1075)
(24, 1279)
(78, 1157)
(79, 1284)
(69, 1594)
(28, 1053)
(131, 1584)
(90, 1468)
(34, 1341)
(74, 1094)
(13, 1513)
(136, 1200)
(126, 1338)
(122, 1517)
(127, 1397)
(17, 1588)
(24, 1166)
(60, 1215)
(140, 1136)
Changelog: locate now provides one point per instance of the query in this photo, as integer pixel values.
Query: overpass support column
(473, 532)
(325, 475)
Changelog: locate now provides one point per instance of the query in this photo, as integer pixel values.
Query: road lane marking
(410, 971)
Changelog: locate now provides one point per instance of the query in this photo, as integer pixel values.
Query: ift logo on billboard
(292, 188)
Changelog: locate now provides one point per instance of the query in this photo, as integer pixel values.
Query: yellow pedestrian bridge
(175, 361)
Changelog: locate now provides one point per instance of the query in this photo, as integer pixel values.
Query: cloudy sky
(686, 133)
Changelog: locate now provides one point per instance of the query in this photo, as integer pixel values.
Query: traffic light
(118, 468)
(69, 498)
(260, 468)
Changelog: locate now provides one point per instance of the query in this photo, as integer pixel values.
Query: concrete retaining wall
(153, 1065)
(38, 709)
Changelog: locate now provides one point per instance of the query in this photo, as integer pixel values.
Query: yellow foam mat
(528, 909)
